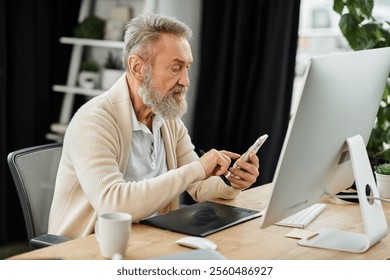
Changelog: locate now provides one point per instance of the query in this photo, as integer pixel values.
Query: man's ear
(136, 67)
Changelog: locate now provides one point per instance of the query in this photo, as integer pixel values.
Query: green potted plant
(382, 175)
(89, 74)
(383, 169)
(112, 70)
(92, 27)
(363, 31)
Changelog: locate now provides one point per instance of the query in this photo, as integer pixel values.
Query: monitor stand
(374, 220)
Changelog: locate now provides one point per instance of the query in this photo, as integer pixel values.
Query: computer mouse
(196, 242)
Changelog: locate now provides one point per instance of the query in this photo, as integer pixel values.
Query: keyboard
(304, 217)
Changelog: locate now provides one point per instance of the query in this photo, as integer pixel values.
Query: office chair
(34, 171)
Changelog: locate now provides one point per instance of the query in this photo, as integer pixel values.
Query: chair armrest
(46, 240)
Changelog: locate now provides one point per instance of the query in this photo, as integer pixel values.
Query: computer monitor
(325, 146)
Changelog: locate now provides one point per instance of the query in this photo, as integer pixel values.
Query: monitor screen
(340, 99)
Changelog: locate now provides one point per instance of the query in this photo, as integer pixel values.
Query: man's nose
(184, 79)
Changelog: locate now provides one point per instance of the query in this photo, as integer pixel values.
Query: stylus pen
(222, 176)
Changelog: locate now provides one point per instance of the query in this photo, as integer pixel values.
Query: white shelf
(77, 90)
(58, 128)
(92, 42)
(54, 137)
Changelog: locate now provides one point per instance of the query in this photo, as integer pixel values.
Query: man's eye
(176, 68)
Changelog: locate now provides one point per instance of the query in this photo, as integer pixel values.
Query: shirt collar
(158, 120)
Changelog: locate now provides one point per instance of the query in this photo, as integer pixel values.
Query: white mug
(112, 230)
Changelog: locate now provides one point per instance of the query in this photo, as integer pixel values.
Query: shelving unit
(70, 89)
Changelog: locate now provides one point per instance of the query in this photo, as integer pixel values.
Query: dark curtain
(31, 61)
(246, 76)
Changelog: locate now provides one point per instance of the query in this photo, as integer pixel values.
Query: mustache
(179, 89)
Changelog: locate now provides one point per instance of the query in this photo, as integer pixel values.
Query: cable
(344, 196)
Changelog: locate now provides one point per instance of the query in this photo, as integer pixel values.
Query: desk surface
(243, 241)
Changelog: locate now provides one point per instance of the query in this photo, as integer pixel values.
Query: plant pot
(88, 80)
(383, 185)
(109, 77)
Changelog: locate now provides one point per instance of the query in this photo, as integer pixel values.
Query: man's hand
(244, 174)
(216, 163)
(241, 176)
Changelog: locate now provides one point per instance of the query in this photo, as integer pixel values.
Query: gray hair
(144, 30)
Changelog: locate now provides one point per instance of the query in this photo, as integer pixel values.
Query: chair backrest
(34, 172)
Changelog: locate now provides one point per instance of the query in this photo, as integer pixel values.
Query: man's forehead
(173, 48)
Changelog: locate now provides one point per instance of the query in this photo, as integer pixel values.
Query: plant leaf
(338, 6)
(365, 6)
(355, 10)
(351, 31)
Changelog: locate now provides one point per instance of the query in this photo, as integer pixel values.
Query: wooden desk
(244, 241)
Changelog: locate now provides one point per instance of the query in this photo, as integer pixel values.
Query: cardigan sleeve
(201, 190)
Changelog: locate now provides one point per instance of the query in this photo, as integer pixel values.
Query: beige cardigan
(94, 158)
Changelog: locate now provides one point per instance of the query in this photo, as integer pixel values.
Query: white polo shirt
(147, 154)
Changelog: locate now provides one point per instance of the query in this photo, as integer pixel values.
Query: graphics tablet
(202, 219)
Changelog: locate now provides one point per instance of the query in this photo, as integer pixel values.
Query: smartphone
(255, 147)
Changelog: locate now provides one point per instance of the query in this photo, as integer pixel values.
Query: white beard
(170, 105)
